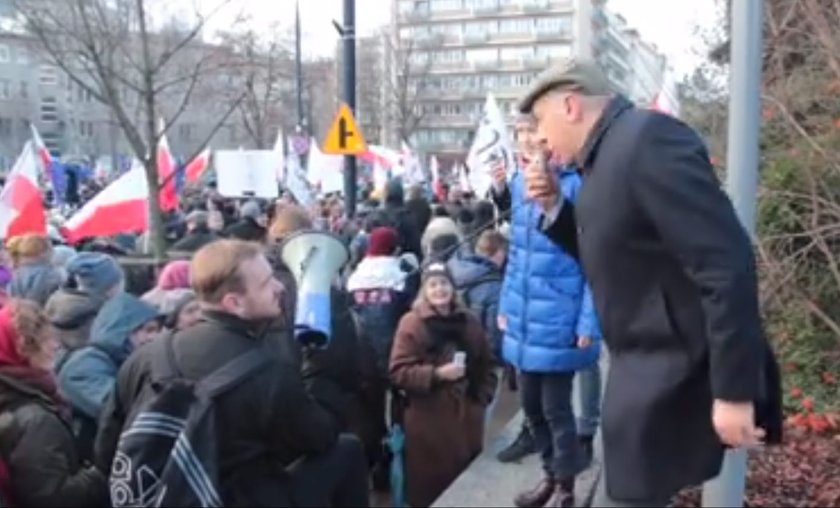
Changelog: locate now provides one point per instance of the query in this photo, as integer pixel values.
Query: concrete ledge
(489, 483)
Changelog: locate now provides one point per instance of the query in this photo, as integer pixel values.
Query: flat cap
(575, 74)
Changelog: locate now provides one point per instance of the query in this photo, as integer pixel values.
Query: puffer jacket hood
(469, 268)
(113, 326)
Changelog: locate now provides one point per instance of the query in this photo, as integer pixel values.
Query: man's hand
(450, 372)
(735, 424)
(540, 185)
(500, 175)
(584, 342)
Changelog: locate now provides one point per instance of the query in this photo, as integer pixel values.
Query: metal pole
(742, 183)
(299, 69)
(349, 36)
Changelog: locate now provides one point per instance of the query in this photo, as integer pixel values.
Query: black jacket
(194, 240)
(265, 423)
(246, 229)
(674, 282)
(40, 451)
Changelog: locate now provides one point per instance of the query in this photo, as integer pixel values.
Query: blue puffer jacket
(545, 298)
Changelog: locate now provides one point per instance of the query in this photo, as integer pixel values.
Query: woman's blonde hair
(31, 325)
(28, 246)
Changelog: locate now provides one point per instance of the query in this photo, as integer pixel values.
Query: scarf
(452, 329)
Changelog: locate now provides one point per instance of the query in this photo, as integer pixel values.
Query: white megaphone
(314, 258)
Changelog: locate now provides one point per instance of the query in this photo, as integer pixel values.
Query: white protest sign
(247, 173)
(296, 179)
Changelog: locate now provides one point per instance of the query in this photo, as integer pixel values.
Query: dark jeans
(547, 403)
(337, 478)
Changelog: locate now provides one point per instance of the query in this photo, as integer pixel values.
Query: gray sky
(669, 24)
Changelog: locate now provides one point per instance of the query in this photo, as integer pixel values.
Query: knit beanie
(443, 247)
(175, 275)
(95, 272)
(382, 242)
(437, 270)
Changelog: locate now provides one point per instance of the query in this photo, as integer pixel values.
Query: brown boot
(539, 496)
(564, 494)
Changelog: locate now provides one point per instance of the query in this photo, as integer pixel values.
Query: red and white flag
(166, 174)
(668, 99)
(198, 166)
(120, 207)
(21, 202)
(43, 153)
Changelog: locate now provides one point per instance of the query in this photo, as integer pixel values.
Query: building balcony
(490, 11)
(475, 38)
(486, 65)
(565, 35)
(414, 16)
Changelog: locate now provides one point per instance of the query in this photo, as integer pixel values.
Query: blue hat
(95, 272)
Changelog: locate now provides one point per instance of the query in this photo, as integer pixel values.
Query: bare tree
(142, 70)
(264, 74)
(407, 84)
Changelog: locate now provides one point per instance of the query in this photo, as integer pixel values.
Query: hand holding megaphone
(540, 182)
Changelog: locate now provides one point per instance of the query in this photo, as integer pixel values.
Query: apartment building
(460, 50)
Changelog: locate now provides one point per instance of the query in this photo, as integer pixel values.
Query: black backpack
(167, 456)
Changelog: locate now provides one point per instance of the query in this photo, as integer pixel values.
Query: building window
(560, 25)
(554, 50)
(49, 109)
(517, 53)
(5, 54)
(6, 127)
(49, 75)
(22, 56)
(482, 4)
(185, 131)
(5, 89)
(446, 5)
(483, 55)
(449, 56)
(24, 90)
(516, 26)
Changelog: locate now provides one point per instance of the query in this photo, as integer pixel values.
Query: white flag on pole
(296, 179)
(490, 146)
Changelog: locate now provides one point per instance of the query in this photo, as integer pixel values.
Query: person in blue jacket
(551, 332)
(88, 376)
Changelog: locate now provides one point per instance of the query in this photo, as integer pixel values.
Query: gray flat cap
(576, 74)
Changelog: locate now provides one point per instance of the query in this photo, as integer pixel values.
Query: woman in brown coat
(441, 359)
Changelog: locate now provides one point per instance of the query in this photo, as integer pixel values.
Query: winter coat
(420, 211)
(71, 313)
(264, 424)
(87, 376)
(444, 421)
(674, 279)
(380, 297)
(39, 449)
(479, 282)
(194, 240)
(545, 298)
(35, 282)
(246, 229)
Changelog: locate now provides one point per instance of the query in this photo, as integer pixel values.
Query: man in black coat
(278, 439)
(674, 281)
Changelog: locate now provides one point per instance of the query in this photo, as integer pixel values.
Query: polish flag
(166, 175)
(21, 202)
(121, 207)
(381, 155)
(41, 147)
(667, 100)
(437, 184)
(279, 145)
(198, 166)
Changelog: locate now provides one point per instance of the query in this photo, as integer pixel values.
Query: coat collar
(254, 329)
(616, 107)
(425, 311)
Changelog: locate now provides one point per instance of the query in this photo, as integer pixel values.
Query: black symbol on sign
(343, 133)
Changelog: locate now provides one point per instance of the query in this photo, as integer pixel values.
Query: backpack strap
(232, 373)
(163, 359)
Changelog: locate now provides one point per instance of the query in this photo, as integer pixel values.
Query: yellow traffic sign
(344, 137)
